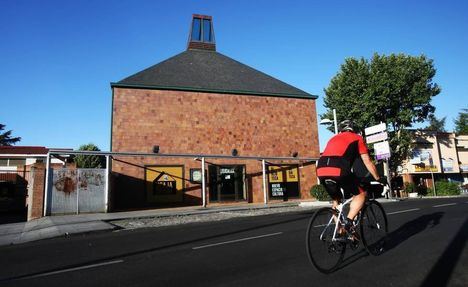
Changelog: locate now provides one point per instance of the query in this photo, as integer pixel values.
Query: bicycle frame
(338, 218)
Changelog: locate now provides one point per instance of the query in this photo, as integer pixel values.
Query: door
(227, 183)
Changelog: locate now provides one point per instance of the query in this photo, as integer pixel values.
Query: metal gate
(78, 190)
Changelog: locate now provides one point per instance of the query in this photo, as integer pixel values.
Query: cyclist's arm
(370, 165)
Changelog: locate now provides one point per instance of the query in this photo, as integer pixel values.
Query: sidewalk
(55, 226)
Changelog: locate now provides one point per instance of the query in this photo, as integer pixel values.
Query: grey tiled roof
(209, 71)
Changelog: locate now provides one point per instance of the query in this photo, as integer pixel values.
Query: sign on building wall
(464, 167)
(164, 183)
(447, 165)
(283, 180)
(422, 161)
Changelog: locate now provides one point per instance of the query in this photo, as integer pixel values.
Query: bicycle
(326, 248)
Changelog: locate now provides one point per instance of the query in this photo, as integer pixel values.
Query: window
(3, 162)
(196, 29)
(207, 30)
(202, 30)
(17, 162)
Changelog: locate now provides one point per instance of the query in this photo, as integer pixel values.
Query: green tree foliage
(5, 137)
(395, 89)
(89, 161)
(461, 123)
(436, 124)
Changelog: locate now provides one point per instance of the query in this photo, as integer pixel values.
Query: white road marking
(236, 240)
(402, 211)
(448, 204)
(73, 269)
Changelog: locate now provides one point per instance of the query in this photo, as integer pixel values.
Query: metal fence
(77, 190)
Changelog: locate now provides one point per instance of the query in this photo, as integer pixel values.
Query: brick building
(203, 102)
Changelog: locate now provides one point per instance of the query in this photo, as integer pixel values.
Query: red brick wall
(38, 181)
(210, 123)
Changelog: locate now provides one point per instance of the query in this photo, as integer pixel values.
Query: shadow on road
(399, 235)
(412, 228)
(442, 270)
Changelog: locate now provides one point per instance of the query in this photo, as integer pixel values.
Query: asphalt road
(427, 247)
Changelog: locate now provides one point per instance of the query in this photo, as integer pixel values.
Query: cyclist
(341, 165)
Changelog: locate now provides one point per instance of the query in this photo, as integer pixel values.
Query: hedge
(318, 191)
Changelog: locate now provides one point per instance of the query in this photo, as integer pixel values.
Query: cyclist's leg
(351, 186)
(332, 187)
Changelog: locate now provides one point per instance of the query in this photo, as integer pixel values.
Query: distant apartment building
(438, 155)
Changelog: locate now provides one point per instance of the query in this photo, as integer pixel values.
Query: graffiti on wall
(64, 180)
(89, 177)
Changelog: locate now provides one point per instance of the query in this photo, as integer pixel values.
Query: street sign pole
(389, 177)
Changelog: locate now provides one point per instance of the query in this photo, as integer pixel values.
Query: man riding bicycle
(346, 152)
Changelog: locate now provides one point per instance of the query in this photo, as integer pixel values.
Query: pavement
(65, 225)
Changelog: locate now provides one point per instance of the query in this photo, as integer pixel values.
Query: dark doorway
(227, 183)
(13, 191)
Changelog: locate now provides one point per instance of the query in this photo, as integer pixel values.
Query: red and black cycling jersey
(339, 155)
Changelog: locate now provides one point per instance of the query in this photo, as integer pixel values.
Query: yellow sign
(425, 168)
(164, 183)
(276, 173)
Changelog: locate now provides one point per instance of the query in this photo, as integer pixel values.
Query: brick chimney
(201, 35)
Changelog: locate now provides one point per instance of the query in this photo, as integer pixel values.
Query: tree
(89, 161)
(436, 124)
(5, 137)
(461, 122)
(395, 89)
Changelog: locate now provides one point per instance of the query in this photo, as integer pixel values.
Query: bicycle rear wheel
(374, 227)
(324, 253)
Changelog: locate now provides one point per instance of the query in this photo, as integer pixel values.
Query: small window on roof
(207, 30)
(196, 29)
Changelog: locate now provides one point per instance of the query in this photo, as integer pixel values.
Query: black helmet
(346, 125)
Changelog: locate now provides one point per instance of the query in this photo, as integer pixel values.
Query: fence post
(106, 195)
(46, 187)
(77, 191)
(265, 200)
(203, 182)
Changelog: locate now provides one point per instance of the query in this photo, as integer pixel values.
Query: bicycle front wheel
(374, 227)
(324, 254)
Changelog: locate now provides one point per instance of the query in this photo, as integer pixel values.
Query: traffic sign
(375, 129)
(377, 137)
(382, 150)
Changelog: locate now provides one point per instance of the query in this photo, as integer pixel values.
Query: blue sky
(57, 58)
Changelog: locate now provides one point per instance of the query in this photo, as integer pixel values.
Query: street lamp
(328, 121)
